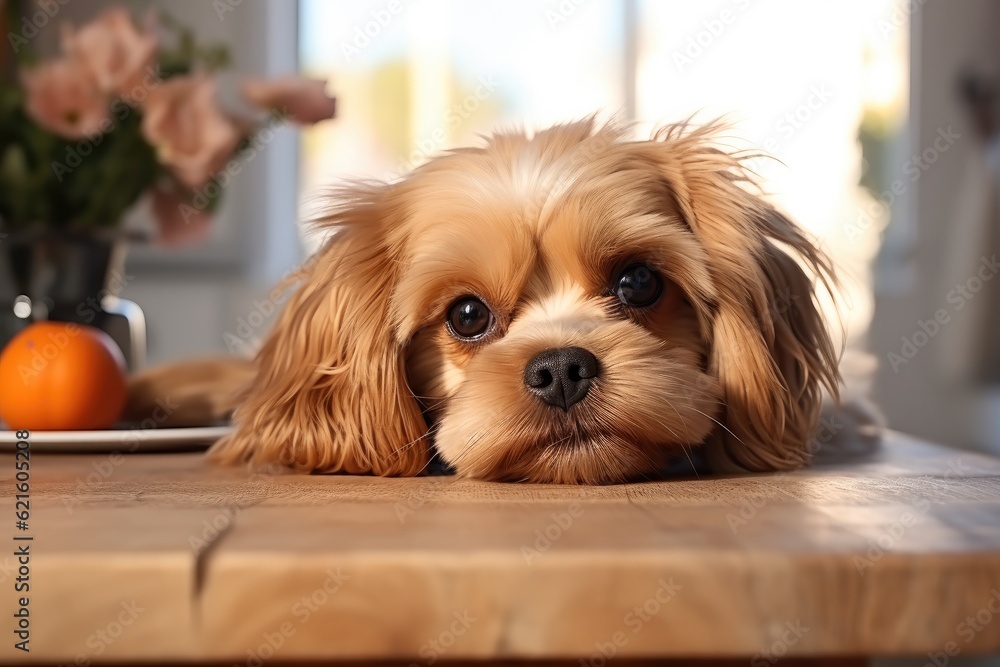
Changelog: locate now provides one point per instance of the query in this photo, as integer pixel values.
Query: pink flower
(179, 220)
(190, 133)
(303, 100)
(114, 51)
(63, 99)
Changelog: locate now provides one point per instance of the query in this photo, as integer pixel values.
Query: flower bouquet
(129, 108)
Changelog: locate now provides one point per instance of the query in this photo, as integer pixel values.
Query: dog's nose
(562, 376)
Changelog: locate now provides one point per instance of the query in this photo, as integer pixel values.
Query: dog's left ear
(770, 347)
(330, 392)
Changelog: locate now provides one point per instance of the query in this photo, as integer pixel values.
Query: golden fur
(361, 375)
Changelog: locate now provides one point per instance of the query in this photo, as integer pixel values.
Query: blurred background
(880, 115)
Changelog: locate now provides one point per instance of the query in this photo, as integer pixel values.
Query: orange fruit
(57, 376)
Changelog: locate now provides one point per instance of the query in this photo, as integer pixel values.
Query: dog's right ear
(330, 393)
(771, 349)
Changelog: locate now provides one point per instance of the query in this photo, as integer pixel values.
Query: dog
(569, 307)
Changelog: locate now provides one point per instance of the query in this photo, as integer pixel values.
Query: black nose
(561, 377)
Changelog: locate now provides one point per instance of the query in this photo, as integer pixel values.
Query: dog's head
(571, 307)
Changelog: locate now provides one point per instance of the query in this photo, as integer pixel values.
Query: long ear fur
(330, 394)
(771, 349)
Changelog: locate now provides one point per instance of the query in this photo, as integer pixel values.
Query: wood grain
(890, 556)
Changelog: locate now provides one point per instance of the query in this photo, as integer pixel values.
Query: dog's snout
(561, 376)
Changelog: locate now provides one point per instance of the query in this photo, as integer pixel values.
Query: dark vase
(69, 277)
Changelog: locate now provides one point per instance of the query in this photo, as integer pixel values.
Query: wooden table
(160, 557)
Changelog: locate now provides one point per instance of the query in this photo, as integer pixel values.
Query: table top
(162, 556)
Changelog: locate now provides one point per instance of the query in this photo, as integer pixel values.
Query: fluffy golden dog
(571, 307)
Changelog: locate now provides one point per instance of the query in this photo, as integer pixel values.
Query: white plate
(122, 440)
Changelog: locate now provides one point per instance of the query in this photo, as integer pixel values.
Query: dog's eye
(638, 286)
(469, 318)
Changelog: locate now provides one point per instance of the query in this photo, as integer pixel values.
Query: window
(824, 98)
